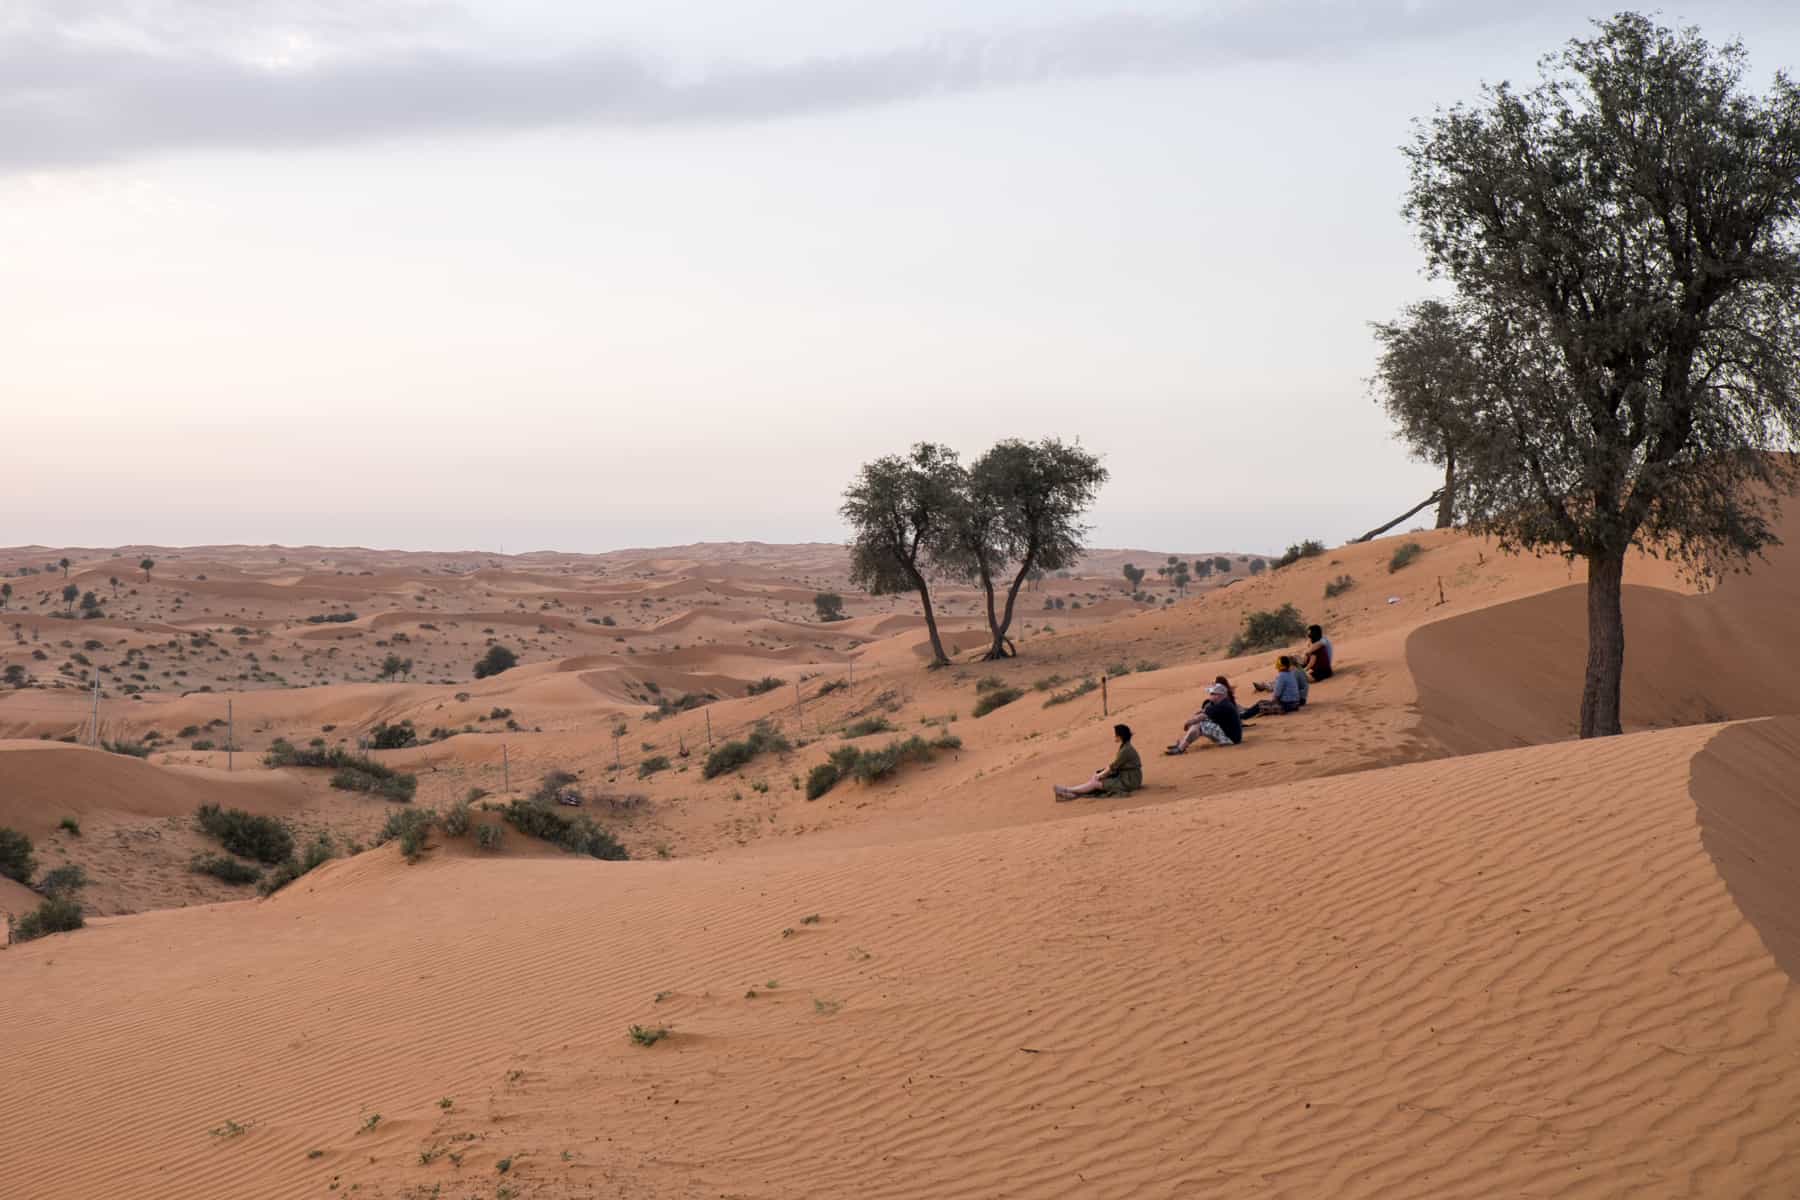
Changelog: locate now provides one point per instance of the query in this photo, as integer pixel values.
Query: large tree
(1020, 512)
(1624, 235)
(901, 510)
(1426, 380)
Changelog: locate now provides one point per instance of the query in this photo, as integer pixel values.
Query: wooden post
(1105, 706)
(505, 771)
(709, 745)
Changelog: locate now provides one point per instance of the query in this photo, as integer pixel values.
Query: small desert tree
(497, 659)
(1134, 576)
(900, 510)
(1020, 511)
(64, 564)
(5, 594)
(1427, 381)
(1626, 236)
(1203, 568)
(69, 592)
(1222, 565)
(114, 581)
(394, 665)
(146, 566)
(829, 606)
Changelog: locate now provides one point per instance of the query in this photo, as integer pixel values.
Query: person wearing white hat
(1217, 719)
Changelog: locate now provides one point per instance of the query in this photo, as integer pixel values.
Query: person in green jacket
(1124, 774)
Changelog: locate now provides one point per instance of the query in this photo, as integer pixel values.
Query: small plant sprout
(504, 1165)
(648, 1035)
(369, 1125)
(827, 1008)
(446, 1103)
(231, 1129)
(810, 920)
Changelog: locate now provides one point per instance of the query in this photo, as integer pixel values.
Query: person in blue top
(1288, 690)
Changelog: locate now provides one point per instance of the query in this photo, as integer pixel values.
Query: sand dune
(1510, 975)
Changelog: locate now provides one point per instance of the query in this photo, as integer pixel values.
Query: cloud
(102, 81)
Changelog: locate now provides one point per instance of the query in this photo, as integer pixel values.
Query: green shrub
(488, 837)
(653, 764)
(998, 698)
(989, 683)
(577, 833)
(334, 618)
(553, 785)
(1264, 630)
(1048, 682)
(58, 914)
(202, 744)
(129, 749)
(411, 827)
(497, 659)
(867, 726)
(1293, 554)
(1339, 586)
(821, 779)
(648, 1035)
(1079, 690)
(767, 683)
(1404, 553)
(764, 739)
(262, 838)
(221, 866)
(458, 819)
(63, 881)
(686, 702)
(833, 685)
(393, 737)
(70, 826)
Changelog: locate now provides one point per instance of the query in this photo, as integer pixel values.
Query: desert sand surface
(1413, 941)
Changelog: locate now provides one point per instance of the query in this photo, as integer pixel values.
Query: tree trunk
(938, 657)
(1002, 648)
(1447, 506)
(1606, 646)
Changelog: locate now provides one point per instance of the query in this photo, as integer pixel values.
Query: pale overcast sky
(584, 275)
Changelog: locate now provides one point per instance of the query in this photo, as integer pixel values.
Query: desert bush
(989, 683)
(767, 683)
(821, 779)
(1293, 554)
(1264, 630)
(998, 698)
(262, 838)
(188, 731)
(411, 827)
(1404, 553)
(576, 833)
(62, 881)
(1339, 586)
(221, 866)
(203, 744)
(1074, 693)
(764, 739)
(833, 685)
(497, 659)
(70, 826)
(393, 737)
(129, 749)
(867, 726)
(1048, 682)
(489, 837)
(333, 618)
(457, 819)
(653, 764)
(667, 707)
(554, 783)
(16, 861)
(829, 606)
(58, 914)
(867, 766)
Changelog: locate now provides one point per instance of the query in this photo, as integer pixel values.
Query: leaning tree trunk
(1447, 505)
(938, 657)
(1606, 646)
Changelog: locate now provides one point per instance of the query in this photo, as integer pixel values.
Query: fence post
(1105, 706)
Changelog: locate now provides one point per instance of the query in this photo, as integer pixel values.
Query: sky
(579, 275)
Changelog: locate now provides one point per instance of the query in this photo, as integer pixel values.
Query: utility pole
(230, 734)
(505, 770)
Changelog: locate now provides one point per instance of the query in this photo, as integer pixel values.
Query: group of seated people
(1220, 719)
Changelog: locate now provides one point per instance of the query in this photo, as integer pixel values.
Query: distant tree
(69, 592)
(900, 510)
(1626, 237)
(829, 606)
(1203, 568)
(5, 594)
(146, 566)
(64, 564)
(1134, 576)
(1427, 379)
(114, 581)
(1258, 566)
(394, 665)
(497, 659)
(1222, 565)
(1019, 511)
(1179, 572)
(15, 675)
(90, 603)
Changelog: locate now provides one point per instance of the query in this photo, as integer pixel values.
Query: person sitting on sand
(1217, 719)
(1287, 687)
(1124, 774)
(1317, 659)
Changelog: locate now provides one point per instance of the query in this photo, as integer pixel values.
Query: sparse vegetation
(70, 826)
(767, 683)
(829, 606)
(1338, 586)
(262, 838)
(1294, 553)
(997, 698)
(1264, 630)
(868, 766)
(488, 837)
(222, 866)
(411, 827)
(62, 881)
(764, 739)
(648, 1035)
(497, 659)
(867, 726)
(1404, 553)
(1079, 690)
(653, 764)
(577, 834)
(58, 914)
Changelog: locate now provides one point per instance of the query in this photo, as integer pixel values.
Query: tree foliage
(1623, 237)
(1427, 381)
(901, 510)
